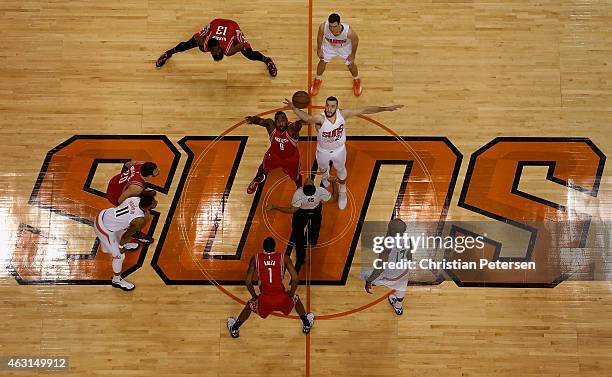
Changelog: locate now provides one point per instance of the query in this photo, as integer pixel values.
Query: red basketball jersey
(282, 144)
(118, 183)
(270, 270)
(227, 32)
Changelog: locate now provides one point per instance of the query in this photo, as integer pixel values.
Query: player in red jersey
(132, 181)
(221, 38)
(270, 267)
(283, 152)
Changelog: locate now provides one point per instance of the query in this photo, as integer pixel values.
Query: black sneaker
(311, 319)
(230, 325)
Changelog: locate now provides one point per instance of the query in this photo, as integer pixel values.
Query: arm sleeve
(324, 194)
(296, 201)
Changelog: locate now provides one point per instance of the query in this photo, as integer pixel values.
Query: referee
(306, 209)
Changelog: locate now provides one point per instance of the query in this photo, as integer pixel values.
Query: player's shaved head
(396, 226)
(147, 202)
(309, 188)
(149, 169)
(215, 49)
(269, 245)
(281, 121)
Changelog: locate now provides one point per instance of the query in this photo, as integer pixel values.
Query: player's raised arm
(295, 279)
(316, 119)
(249, 278)
(369, 110)
(264, 122)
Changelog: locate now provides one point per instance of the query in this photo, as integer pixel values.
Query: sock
(237, 325)
(356, 77)
(342, 187)
(317, 77)
(305, 320)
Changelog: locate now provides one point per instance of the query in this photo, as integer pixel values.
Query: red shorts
(290, 165)
(268, 303)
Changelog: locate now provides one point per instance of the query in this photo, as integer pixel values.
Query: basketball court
(505, 130)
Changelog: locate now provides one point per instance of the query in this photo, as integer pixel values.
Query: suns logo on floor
(187, 250)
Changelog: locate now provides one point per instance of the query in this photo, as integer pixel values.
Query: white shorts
(337, 157)
(330, 52)
(108, 240)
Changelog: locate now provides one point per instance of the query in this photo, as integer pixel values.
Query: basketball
(300, 99)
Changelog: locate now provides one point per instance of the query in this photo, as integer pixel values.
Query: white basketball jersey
(336, 41)
(331, 135)
(396, 255)
(120, 217)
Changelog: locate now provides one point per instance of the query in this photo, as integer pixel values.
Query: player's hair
(396, 226)
(213, 42)
(309, 189)
(279, 113)
(269, 244)
(332, 98)
(147, 169)
(334, 17)
(146, 201)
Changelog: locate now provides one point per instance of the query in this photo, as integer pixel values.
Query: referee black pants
(309, 221)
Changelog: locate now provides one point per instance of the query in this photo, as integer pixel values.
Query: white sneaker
(131, 246)
(118, 282)
(230, 324)
(342, 200)
(396, 305)
(325, 182)
(311, 319)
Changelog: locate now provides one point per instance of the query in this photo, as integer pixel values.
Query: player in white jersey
(116, 226)
(331, 138)
(394, 278)
(336, 39)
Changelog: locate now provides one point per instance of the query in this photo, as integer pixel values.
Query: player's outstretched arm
(346, 113)
(135, 226)
(295, 279)
(264, 122)
(271, 207)
(249, 278)
(316, 119)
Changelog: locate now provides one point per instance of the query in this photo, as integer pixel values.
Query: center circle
(369, 304)
(350, 207)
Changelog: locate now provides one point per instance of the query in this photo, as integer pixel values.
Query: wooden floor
(468, 71)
